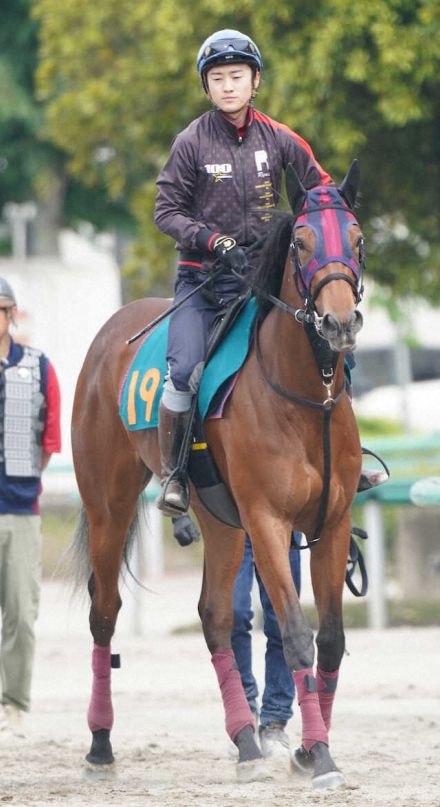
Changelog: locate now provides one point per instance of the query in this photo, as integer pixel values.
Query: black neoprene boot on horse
(174, 497)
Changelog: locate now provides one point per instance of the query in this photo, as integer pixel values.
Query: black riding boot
(174, 498)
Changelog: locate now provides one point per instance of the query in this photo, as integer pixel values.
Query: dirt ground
(169, 740)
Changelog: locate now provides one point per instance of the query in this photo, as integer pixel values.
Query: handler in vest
(29, 434)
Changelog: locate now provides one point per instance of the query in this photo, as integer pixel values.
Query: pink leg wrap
(326, 683)
(313, 727)
(100, 713)
(237, 711)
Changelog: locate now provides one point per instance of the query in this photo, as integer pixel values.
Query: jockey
(215, 196)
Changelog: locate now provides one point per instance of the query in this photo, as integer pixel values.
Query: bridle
(308, 313)
(303, 280)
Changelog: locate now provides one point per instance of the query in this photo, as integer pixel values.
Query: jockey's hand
(231, 256)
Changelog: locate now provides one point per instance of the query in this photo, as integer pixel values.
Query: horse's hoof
(248, 750)
(328, 781)
(250, 765)
(253, 770)
(325, 773)
(302, 762)
(99, 773)
(101, 749)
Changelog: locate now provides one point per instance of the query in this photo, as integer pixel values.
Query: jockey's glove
(225, 249)
(231, 256)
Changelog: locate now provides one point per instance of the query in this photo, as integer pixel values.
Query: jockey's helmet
(225, 47)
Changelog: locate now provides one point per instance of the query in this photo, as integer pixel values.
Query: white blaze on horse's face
(335, 302)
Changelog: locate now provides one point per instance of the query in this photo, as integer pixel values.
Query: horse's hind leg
(223, 552)
(103, 588)
(108, 529)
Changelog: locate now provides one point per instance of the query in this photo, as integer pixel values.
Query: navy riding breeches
(191, 325)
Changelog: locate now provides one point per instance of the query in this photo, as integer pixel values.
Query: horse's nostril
(330, 325)
(357, 322)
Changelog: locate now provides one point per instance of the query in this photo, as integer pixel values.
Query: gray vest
(23, 422)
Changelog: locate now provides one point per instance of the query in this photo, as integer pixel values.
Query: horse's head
(328, 256)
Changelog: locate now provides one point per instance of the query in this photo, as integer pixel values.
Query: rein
(327, 379)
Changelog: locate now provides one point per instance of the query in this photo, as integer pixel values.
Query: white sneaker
(274, 741)
(4, 722)
(13, 717)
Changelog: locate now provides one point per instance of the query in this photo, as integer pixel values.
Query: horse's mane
(268, 273)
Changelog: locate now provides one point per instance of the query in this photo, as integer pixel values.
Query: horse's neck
(288, 356)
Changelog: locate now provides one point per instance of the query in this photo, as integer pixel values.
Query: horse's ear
(350, 184)
(296, 192)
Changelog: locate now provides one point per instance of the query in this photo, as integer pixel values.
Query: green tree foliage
(354, 78)
(32, 167)
(20, 116)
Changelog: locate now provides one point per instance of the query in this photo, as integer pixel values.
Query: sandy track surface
(169, 739)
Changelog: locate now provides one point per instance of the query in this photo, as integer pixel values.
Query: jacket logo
(219, 172)
(262, 163)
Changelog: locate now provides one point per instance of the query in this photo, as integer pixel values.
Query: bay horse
(272, 448)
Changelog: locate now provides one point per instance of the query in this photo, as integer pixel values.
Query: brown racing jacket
(219, 179)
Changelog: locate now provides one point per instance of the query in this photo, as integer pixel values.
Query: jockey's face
(230, 88)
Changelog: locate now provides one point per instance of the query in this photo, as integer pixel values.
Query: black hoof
(247, 747)
(325, 773)
(251, 766)
(302, 761)
(101, 749)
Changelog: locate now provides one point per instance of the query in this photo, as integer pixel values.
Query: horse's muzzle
(341, 335)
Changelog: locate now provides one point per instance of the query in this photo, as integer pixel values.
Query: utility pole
(19, 217)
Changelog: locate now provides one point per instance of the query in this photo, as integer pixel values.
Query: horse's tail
(76, 559)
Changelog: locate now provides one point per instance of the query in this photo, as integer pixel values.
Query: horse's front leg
(271, 541)
(328, 567)
(223, 553)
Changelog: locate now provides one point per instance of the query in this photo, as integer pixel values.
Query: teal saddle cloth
(142, 386)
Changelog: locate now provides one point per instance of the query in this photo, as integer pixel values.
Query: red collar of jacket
(232, 130)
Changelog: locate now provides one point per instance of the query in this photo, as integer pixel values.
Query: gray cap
(7, 296)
